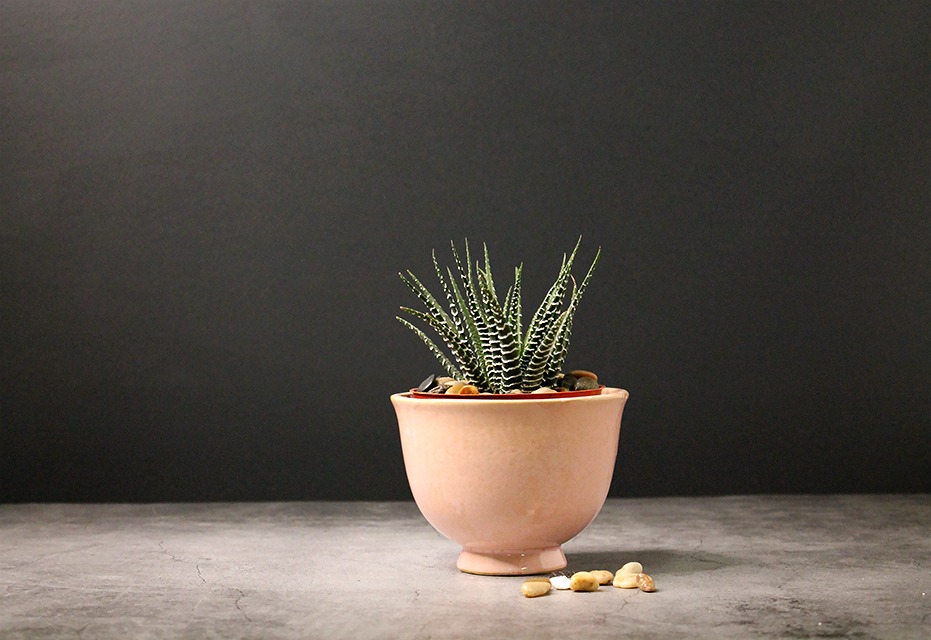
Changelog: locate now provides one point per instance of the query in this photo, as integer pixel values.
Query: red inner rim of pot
(510, 396)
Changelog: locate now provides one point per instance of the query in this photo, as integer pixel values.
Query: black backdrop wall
(205, 206)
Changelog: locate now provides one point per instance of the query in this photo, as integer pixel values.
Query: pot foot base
(518, 563)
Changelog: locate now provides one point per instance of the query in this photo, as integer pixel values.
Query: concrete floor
(733, 567)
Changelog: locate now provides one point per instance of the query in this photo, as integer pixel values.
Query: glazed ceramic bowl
(510, 480)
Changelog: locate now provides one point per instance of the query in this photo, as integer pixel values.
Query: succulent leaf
(486, 274)
(475, 339)
(548, 310)
(559, 353)
(448, 366)
(479, 314)
(512, 309)
(465, 351)
(539, 362)
(460, 350)
(426, 297)
(503, 344)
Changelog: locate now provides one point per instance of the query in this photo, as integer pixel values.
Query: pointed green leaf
(533, 374)
(448, 366)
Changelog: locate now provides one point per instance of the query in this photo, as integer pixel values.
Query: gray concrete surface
(731, 567)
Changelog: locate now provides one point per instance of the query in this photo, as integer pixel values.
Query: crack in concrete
(161, 545)
(236, 604)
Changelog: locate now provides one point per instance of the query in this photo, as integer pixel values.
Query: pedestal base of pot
(518, 563)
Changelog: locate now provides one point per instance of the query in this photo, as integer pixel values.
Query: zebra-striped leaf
(559, 354)
(448, 366)
(533, 374)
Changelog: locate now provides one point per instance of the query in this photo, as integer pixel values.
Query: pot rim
(504, 398)
(508, 396)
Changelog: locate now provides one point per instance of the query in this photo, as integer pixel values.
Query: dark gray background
(205, 206)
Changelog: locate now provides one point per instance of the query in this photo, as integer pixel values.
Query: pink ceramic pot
(510, 480)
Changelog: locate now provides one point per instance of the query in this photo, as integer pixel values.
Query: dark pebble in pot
(428, 383)
(584, 384)
(568, 381)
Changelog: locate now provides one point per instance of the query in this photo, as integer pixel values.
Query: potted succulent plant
(507, 455)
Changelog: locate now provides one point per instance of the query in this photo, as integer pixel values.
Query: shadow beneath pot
(665, 561)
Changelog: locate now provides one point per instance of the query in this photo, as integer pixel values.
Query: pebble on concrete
(626, 580)
(626, 576)
(535, 588)
(583, 581)
(560, 582)
(602, 576)
(645, 583)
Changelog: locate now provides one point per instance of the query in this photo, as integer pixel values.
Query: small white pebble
(560, 582)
